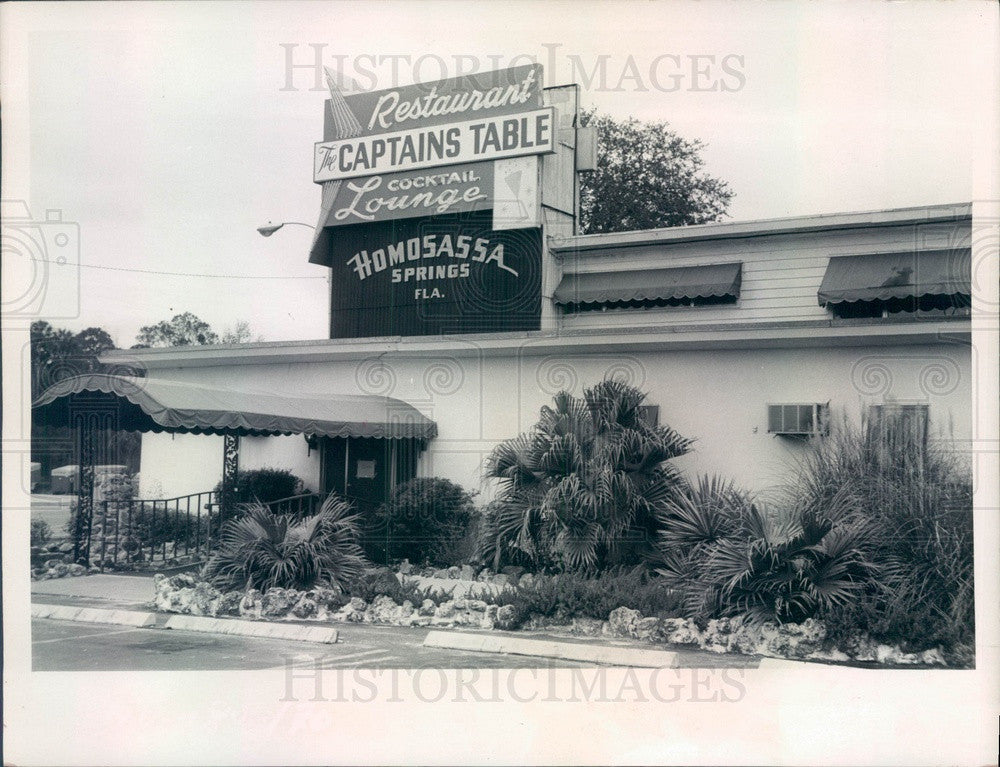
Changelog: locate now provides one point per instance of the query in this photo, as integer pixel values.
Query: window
(897, 425)
(801, 419)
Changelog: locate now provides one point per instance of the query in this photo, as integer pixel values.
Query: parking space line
(83, 636)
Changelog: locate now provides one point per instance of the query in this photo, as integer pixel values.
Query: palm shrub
(264, 550)
(579, 490)
(725, 556)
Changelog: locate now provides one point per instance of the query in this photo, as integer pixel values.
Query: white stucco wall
(717, 396)
(173, 465)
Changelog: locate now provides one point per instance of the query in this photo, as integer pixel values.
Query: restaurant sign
(480, 139)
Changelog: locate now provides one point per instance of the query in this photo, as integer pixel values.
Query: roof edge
(762, 227)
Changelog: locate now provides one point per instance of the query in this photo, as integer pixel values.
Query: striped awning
(885, 276)
(650, 285)
(156, 404)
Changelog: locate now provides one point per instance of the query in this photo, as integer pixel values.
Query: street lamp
(267, 231)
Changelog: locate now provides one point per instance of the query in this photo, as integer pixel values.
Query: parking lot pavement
(68, 646)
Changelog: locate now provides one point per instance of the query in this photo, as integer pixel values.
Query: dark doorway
(365, 470)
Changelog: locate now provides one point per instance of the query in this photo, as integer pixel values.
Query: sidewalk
(135, 591)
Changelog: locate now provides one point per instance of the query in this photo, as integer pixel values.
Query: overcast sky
(168, 132)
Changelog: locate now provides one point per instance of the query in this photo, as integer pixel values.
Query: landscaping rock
(439, 574)
(467, 573)
(649, 630)
(721, 634)
(278, 602)
(405, 568)
(484, 575)
(454, 573)
(445, 610)
(427, 607)
(381, 610)
(590, 627)
(229, 603)
(527, 581)
(475, 604)
(489, 617)
(500, 579)
(506, 618)
(932, 657)
(681, 631)
(306, 607)
(624, 622)
(204, 599)
(250, 606)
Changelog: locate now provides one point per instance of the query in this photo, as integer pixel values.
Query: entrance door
(358, 469)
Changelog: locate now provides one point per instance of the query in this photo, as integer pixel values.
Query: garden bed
(184, 594)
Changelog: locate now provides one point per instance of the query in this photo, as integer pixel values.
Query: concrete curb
(544, 648)
(320, 634)
(93, 615)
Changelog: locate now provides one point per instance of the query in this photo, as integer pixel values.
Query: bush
(382, 582)
(578, 491)
(41, 533)
(725, 556)
(264, 485)
(872, 534)
(426, 520)
(572, 595)
(264, 550)
(916, 498)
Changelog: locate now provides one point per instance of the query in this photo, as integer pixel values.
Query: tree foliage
(579, 490)
(188, 329)
(647, 177)
(58, 353)
(184, 329)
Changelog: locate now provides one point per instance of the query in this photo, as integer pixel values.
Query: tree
(579, 491)
(190, 330)
(647, 177)
(57, 353)
(240, 333)
(183, 330)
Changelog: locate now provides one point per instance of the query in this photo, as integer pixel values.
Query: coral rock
(624, 622)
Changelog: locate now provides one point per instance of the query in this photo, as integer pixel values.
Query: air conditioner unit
(798, 419)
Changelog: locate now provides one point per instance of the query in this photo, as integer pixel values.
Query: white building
(718, 323)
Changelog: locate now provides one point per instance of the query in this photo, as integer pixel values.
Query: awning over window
(883, 276)
(153, 404)
(675, 283)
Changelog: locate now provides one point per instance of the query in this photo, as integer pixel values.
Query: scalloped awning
(156, 404)
(883, 276)
(650, 285)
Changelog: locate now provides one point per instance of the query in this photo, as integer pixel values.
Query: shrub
(916, 498)
(578, 491)
(264, 550)
(41, 533)
(722, 555)
(425, 520)
(382, 582)
(573, 595)
(872, 534)
(264, 485)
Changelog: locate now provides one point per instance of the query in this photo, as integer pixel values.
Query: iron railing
(147, 534)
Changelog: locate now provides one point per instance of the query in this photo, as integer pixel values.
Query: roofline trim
(760, 228)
